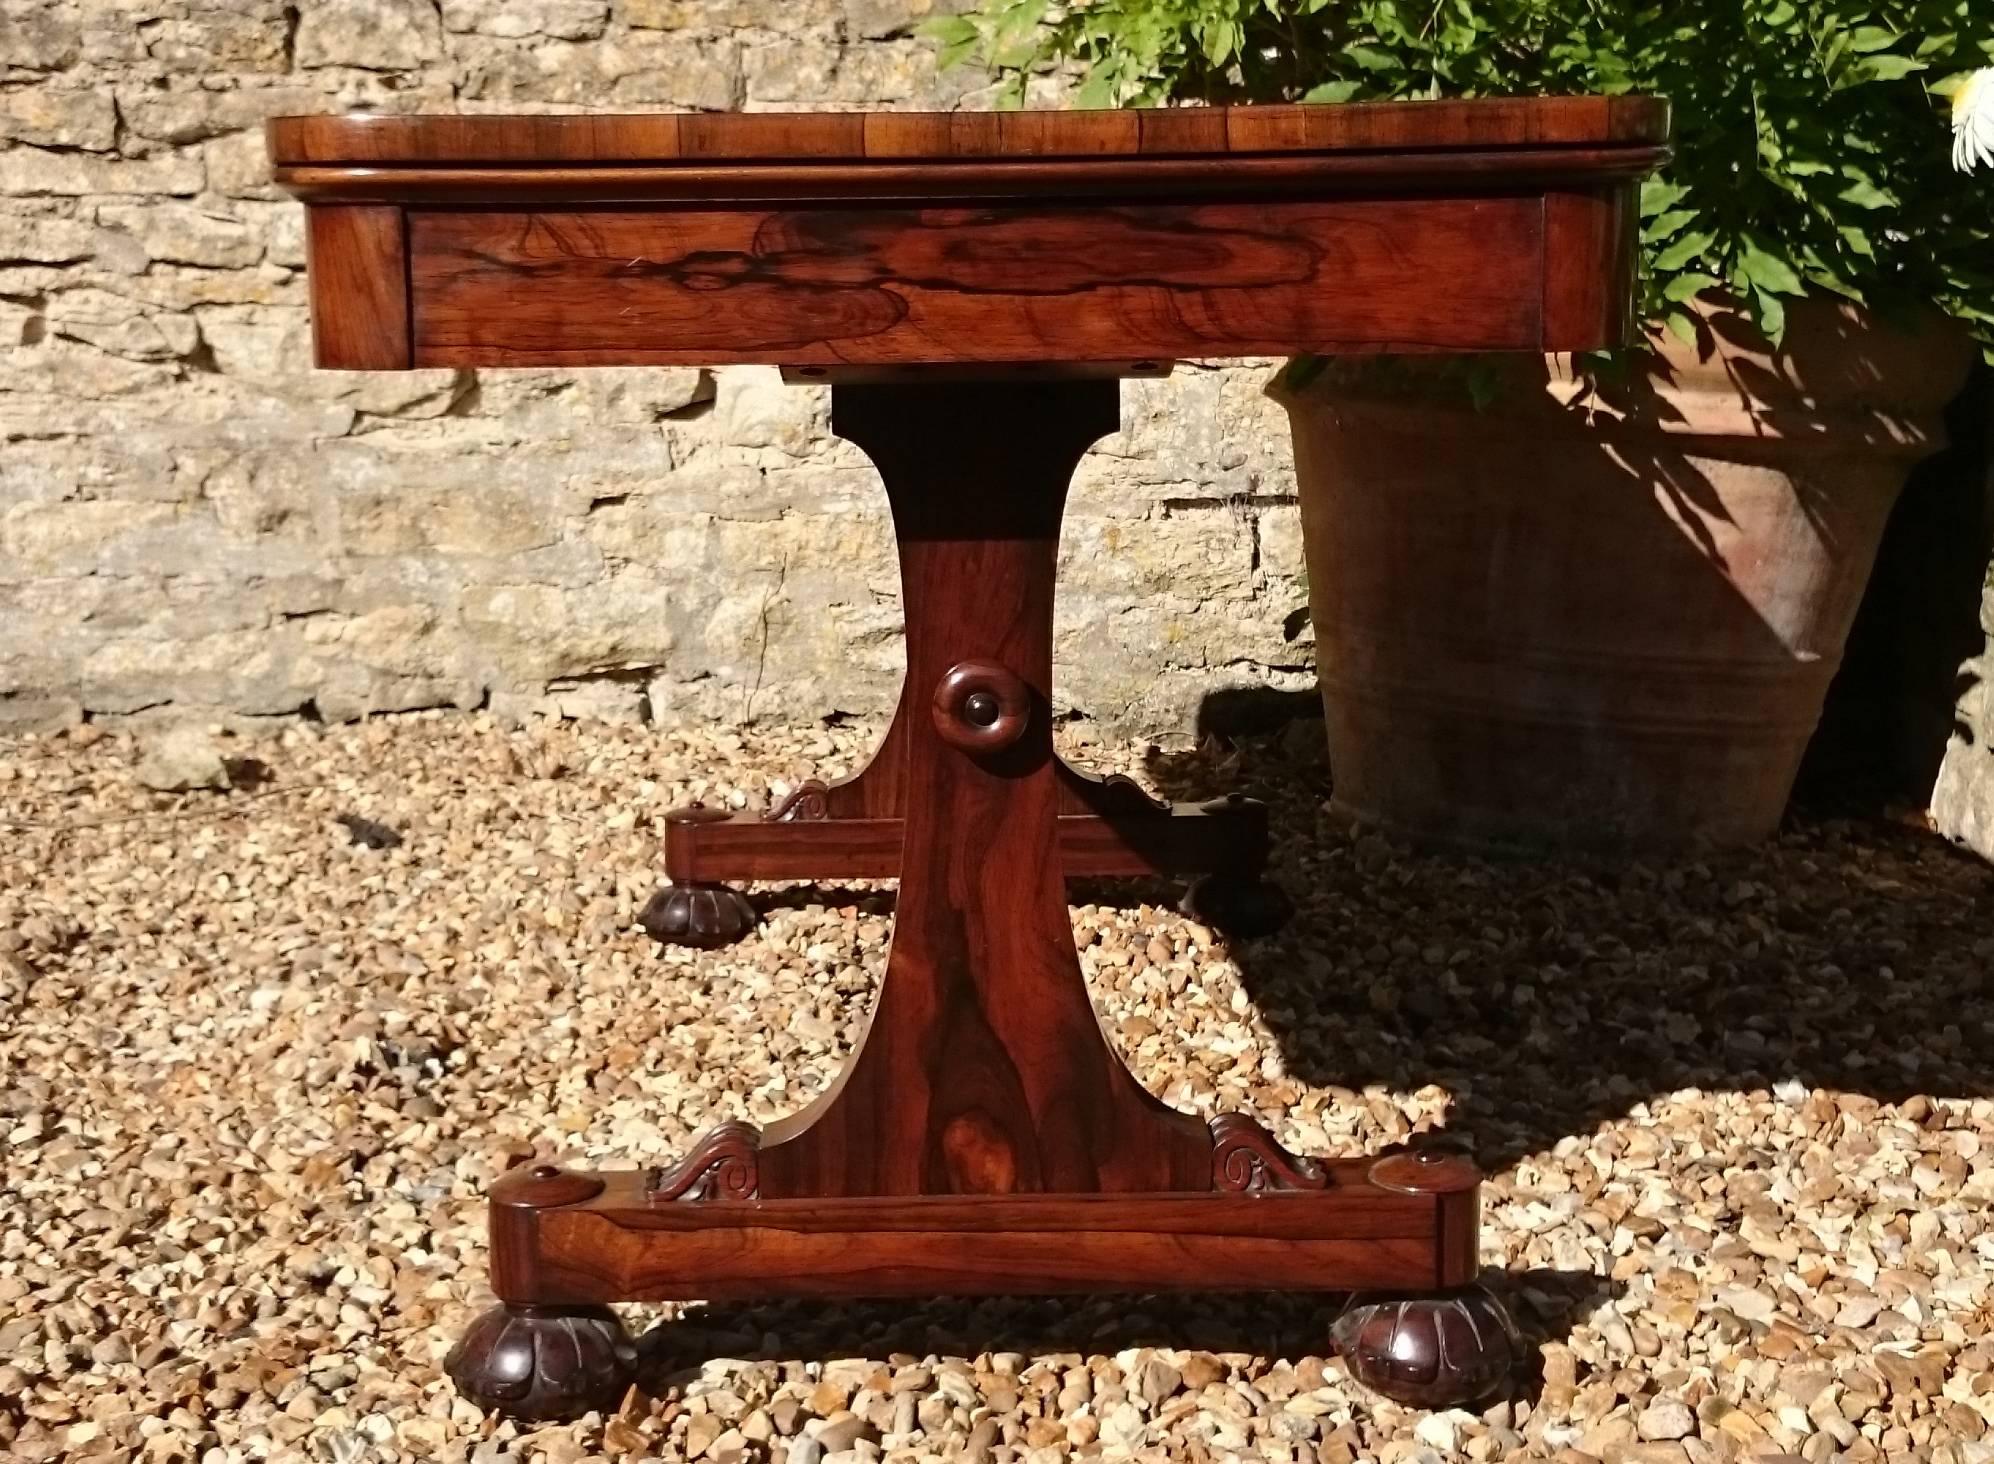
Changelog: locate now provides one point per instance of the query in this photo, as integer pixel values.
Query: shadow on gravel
(1545, 1303)
(1552, 996)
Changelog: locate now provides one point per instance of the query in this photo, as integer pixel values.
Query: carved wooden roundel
(981, 708)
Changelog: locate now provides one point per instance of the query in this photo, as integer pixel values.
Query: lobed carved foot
(1437, 1351)
(542, 1363)
(703, 916)
(1238, 905)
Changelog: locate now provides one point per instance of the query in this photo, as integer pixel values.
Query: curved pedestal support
(984, 1138)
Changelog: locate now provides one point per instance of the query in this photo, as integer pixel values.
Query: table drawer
(831, 286)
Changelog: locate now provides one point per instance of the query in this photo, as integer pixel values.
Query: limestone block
(191, 109)
(41, 39)
(875, 20)
(22, 711)
(33, 170)
(773, 15)
(121, 326)
(186, 234)
(1963, 798)
(756, 408)
(47, 239)
(67, 118)
(636, 68)
(382, 35)
(568, 20)
(225, 35)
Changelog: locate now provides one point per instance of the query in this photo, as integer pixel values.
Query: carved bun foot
(703, 916)
(1243, 907)
(1435, 1351)
(541, 1363)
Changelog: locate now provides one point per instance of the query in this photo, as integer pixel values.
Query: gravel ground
(257, 1072)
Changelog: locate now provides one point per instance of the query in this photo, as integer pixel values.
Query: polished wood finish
(971, 286)
(622, 1245)
(833, 287)
(985, 1070)
(1434, 1351)
(1188, 839)
(357, 263)
(361, 139)
(543, 1362)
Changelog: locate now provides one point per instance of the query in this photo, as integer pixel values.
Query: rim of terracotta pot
(1844, 379)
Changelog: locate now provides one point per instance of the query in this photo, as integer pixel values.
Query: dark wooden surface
(985, 1070)
(621, 1245)
(356, 259)
(853, 244)
(984, 1137)
(835, 287)
(1454, 126)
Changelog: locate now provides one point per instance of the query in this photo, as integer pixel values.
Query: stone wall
(192, 521)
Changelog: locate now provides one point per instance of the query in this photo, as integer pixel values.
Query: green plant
(1811, 140)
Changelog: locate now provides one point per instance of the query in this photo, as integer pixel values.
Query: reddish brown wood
(1429, 1351)
(1188, 839)
(357, 262)
(620, 1246)
(937, 137)
(984, 1137)
(543, 1362)
(880, 285)
(1588, 267)
(722, 1165)
(985, 1070)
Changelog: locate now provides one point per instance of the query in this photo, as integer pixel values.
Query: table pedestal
(984, 1138)
(855, 828)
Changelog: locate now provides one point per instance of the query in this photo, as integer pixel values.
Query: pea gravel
(256, 1072)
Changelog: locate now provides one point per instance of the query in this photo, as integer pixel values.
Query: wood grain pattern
(1346, 1235)
(357, 263)
(1589, 252)
(1188, 839)
(984, 1070)
(938, 136)
(1085, 180)
(837, 287)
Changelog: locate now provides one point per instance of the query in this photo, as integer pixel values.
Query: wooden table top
(941, 137)
(844, 243)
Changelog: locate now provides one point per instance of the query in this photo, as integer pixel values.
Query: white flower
(1973, 122)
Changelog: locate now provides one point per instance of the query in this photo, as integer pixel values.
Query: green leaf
(1887, 68)
(1333, 91)
(1657, 196)
(1864, 194)
(1681, 326)
(1768, 272)
(1771, 313)
(1669, 224)
(1370, 58)
(1689, 246)
(1867, 38)
(1688, 286)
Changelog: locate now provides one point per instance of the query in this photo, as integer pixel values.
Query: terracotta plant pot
(1603, 616)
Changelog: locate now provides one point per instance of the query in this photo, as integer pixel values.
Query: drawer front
(833, 286)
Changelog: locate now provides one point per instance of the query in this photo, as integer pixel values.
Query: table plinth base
(564, 1242)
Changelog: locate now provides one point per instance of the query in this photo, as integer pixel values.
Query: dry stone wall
(194, 522)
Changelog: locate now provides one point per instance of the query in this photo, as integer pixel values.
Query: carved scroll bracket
(1245, 1159)
(807, 802)
(722, 1165)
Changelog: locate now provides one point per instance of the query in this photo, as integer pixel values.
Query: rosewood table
(972, 286)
